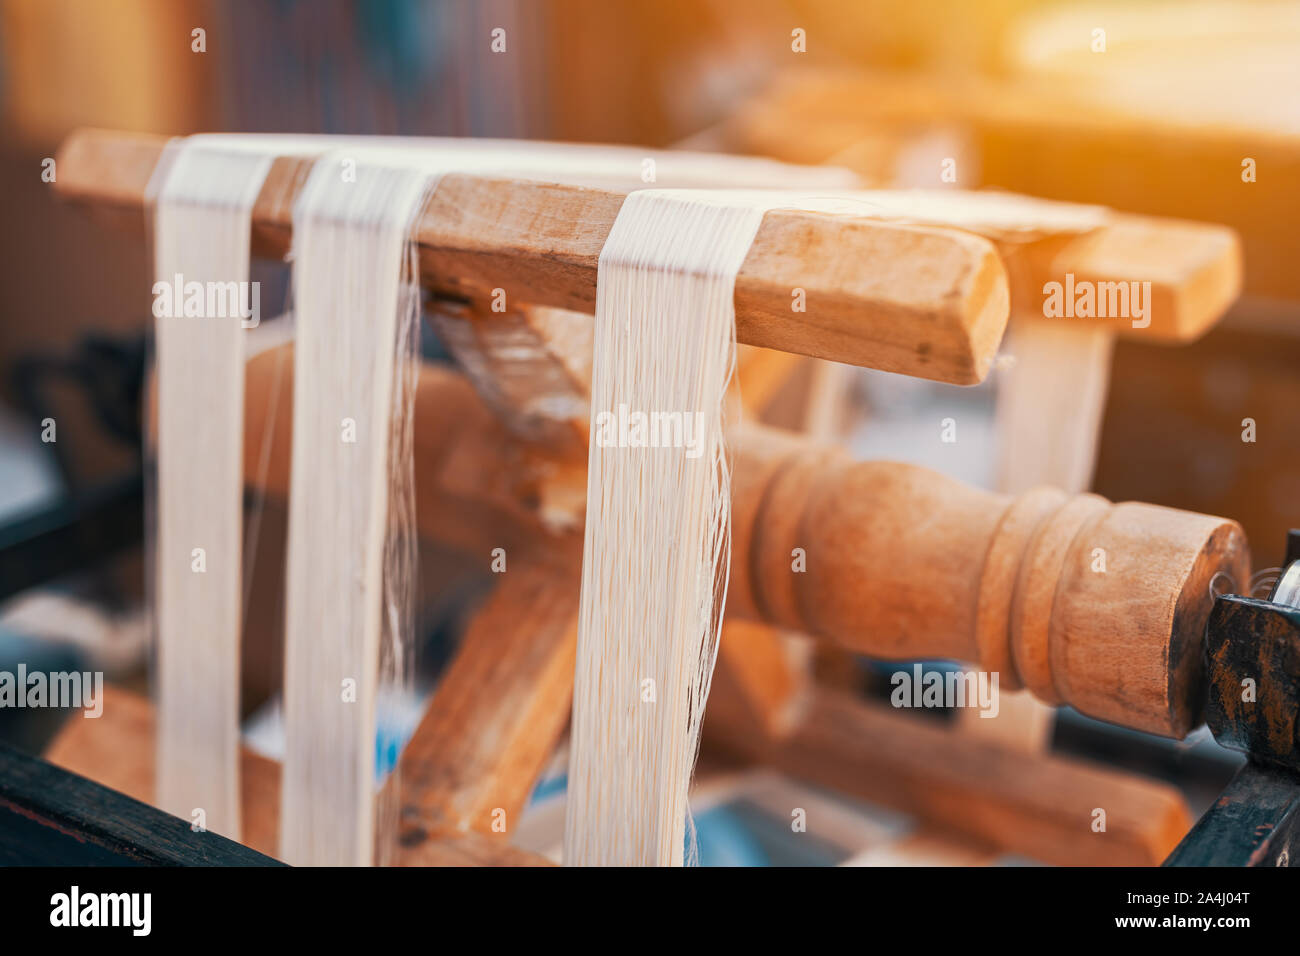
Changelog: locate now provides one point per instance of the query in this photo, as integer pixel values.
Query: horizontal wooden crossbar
(922, 300)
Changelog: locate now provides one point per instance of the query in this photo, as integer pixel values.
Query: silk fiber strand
(202, 195)
(357, 305)
(351, 545)
(657, 547)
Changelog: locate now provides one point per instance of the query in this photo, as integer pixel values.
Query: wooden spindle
(1101, 606)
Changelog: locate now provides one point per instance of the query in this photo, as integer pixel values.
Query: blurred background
(1155, 114)
(884, 86)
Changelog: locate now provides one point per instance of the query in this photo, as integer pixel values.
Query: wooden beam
(1044, 139)
(498, 711)
(758, 670)
(926, 301)
(1042, 807)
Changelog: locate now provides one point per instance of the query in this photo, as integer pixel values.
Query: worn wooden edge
(1254, 822)
(1183, 178)
(1195, 271)
(927, 301)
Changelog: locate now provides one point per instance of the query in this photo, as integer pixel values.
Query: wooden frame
(548, 238)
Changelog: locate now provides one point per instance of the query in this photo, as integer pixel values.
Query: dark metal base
(1255, 822)
(49, 817)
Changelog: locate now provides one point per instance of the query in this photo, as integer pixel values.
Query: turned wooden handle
(1101, 606)
(901, 562)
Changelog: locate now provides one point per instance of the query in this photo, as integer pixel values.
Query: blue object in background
(724, 839)
(736, 833)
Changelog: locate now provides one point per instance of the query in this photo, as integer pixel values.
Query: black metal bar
(1253, 704)
(1255, 822)
(71, 536)
(50, 817)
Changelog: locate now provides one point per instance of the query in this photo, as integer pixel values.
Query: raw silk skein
(350, 563)
(203, 195)
(657, 549)
(347, 237)
(327, 800)
(351, 552)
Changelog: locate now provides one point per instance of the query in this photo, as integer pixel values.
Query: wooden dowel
(926, 301)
